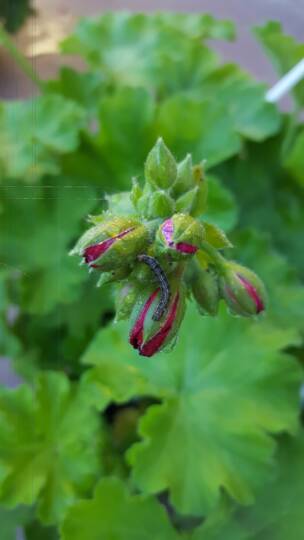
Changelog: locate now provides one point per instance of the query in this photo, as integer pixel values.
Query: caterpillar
(163, 283)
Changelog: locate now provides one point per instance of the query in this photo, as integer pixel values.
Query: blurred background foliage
(196, 425)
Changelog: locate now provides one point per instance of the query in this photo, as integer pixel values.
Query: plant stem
(19, 58)
(218, 259)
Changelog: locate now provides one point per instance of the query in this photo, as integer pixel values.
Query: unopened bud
(160, 167)
(242, 290)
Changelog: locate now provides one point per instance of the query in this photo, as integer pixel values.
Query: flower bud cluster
(154, 244)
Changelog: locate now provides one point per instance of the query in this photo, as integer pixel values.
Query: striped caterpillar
(163, 283)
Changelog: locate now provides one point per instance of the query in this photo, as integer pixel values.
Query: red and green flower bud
(180, 235)
(242, 290)
(149, 336)
(160, 166)
(205, 290)
(112, 244)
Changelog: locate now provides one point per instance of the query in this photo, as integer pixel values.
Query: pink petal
(167, 229)
(185, 248)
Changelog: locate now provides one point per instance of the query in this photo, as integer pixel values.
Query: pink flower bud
(149, 336)
(242, 290)
(180, 234)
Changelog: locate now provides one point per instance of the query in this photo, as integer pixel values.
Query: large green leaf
(125, 136)
(49, 446)
(39, 225)
(162, 51)
(278, 512)
(284, 51)
(244, 99)
(221, 205)
(114, 513)
(225, 388)
(34, 134)
(268, 197)
(200, 126)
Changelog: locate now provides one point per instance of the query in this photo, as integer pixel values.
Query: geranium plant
(137, 418)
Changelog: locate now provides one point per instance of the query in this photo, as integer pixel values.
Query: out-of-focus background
(54, 19)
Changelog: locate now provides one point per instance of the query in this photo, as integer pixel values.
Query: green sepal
(160, 166)
(135, 193)
(125, 300)
(184, 180)
(205, 290)
(216, 236)
(113, 275)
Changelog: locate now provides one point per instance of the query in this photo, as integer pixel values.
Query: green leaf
(162, 52)
(215, 236)
(119, 373)
(114, 513)
(244, 99)
(199, 26)
(286, 293)
(34, 134)
(37, 248)
(125, 136)
(221, 205)
(83, 88)
(268, 198)
(295, 159)
(278, 513)
(200, 126)
(49, 447)
(284, 51)
(225, 388)
(223, 400)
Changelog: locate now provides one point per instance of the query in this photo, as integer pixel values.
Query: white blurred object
(284, 85)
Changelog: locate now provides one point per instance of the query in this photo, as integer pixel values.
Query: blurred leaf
(268, 197)
(33, 135)
(278, 513)
(295, 159)
(114, 513)
(37, 248)
(50, 444)
(125, 135)
(221, 207)
(284, 51)
(200, 126)
(286, 292)
(83, 88)
(161, 52)
(244, 99)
